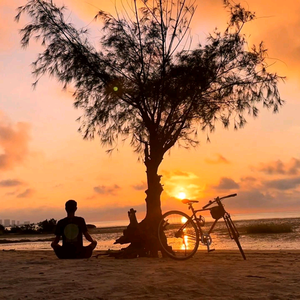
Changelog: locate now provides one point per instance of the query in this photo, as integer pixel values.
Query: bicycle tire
(235, 237)
(178, 235)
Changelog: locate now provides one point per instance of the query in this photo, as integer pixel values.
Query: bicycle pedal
(210, 250)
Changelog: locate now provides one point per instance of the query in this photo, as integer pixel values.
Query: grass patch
(269, 228)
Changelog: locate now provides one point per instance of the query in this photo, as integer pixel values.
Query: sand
(216, 275)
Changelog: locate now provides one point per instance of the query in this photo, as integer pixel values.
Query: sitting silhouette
(71, 230)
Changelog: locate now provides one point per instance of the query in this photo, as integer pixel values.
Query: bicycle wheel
(178, 235)
(234, 234)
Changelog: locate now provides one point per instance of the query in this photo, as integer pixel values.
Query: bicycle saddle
(187, 201)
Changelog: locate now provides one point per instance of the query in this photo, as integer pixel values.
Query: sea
(107, 235)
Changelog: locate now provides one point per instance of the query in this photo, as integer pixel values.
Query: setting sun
(181, 195)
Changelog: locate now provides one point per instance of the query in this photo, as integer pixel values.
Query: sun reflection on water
(185, 243)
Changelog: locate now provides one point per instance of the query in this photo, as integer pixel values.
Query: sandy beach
(216, 275)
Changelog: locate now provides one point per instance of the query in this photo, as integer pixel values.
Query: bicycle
(179, 234)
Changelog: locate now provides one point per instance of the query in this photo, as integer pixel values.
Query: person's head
(71, 206)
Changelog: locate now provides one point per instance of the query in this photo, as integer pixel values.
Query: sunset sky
(44, 161)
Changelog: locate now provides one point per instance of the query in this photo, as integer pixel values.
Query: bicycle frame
(205, 237)
(189, 232)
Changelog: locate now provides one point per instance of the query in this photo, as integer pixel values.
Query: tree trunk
(147, 229)
(149, 226)
(153, 193)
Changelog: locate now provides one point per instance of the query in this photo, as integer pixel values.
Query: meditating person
(71, 229)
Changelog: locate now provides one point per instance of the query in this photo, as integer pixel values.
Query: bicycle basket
(217, 212)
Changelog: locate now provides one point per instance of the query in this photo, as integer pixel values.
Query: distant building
(18, 223)
(1, 222)
(26, 222)
(13, 223)
(6, 222)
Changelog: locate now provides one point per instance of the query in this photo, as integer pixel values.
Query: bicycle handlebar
(228, 196)
(211, 202)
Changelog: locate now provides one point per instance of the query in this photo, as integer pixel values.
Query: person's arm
(85, 232)
(57, 235)
(55, 241)
(88, 237)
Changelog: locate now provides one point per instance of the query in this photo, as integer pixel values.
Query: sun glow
(183, 220)
(181, 195)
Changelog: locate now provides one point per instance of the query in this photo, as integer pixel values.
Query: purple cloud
(141, 186)
(283, 184)
(106, 190)
(27, 193)
(10, 183)
(220, 159)
(227, 184)
(278, 167)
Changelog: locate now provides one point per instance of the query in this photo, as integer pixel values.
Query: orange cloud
(14, 141)
(177, 175)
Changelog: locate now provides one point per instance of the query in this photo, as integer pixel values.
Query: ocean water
(220, 238)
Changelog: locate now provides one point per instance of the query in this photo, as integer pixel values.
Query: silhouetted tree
(28, 228)
(47, 226)
(146, 84)
(15, 229)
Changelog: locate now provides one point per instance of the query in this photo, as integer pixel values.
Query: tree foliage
(2, 229)
(47, 226)
(23, 229)
(144, 83)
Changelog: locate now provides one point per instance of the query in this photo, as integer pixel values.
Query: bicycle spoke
(192, 237)
(178, 235)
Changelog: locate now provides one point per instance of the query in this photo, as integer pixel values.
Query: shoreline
(102, 252)
(222, 274)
